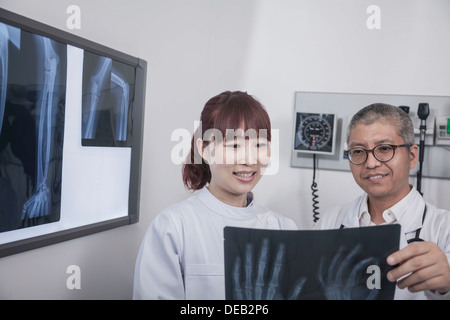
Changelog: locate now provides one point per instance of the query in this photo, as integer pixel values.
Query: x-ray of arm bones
(122, 115)
(7, 34)
(97, 84)
(39, 204)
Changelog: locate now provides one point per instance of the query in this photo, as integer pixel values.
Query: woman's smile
(245, 176)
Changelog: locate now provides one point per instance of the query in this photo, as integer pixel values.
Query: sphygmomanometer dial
(315, 132)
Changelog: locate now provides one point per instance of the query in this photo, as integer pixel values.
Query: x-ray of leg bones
(310, 264)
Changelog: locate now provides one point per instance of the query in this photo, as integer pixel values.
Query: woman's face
(237, 164)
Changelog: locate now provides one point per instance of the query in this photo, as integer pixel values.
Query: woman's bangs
(244, 115)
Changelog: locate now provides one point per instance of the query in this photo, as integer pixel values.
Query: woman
(181, 256)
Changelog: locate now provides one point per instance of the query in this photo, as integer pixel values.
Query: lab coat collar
(351, 217)
(407, 211)
(411, 220)
(223, 209)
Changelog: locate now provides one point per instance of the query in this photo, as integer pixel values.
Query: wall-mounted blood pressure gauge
(315, 133)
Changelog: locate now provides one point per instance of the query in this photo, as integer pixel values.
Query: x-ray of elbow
(98, 81)
(8, 35)
(345, 264)
(106, 102)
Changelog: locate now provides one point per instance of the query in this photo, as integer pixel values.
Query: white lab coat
(182, 254)
(408, 213)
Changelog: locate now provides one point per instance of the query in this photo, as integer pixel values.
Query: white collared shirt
(408, 213)
(390, 215)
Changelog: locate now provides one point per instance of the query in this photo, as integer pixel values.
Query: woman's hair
(225, 111)
(385, 113)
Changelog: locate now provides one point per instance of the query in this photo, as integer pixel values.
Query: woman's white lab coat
(182, 254)
(408, 213)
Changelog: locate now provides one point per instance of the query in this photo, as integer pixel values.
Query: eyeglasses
(382, 152)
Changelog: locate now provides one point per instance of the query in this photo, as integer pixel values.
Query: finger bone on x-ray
(337, 284)
(262, 286)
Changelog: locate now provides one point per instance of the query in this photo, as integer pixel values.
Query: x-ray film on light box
(70, 135)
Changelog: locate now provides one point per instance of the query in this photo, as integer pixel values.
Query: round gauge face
(315, 132)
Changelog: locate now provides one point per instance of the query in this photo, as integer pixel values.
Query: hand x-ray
(343, 264)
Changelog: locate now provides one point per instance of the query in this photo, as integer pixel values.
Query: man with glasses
(381, 153)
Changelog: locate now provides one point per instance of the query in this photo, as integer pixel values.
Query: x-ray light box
(71, 122)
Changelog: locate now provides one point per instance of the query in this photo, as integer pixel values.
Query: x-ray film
(33, 98)
(71, 128)
(32, 107)
(342, 264)
(108, 88)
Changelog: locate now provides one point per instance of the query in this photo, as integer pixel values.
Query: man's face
(383, 181)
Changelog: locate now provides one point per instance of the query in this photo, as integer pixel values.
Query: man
(381, 152)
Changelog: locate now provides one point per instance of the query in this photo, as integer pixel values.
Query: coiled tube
(314, 189)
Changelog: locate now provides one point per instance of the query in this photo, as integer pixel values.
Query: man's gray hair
(385, 113)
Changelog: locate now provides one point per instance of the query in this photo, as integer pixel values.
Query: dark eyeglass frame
(393, 146)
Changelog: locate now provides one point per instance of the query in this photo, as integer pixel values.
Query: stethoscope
(416, 237)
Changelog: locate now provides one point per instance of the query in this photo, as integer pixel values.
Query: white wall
(270, 48)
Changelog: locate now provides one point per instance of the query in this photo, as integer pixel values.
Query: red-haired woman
(182, 256)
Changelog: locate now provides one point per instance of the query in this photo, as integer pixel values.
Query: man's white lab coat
(408, 212)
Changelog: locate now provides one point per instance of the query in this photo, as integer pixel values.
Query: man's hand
(423, 265)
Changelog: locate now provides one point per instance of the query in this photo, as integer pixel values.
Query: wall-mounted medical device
(442, 137)
(315, 133)
(434, 129)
